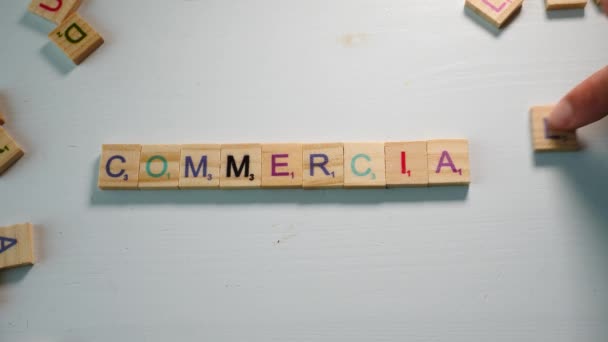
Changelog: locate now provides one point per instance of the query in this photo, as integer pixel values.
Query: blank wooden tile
(241, 166)
(406, 164)
(497, 12)
(119, 167)
(16, 246)
(565, 4)
(10, 152)
(76, 38)
(282, 166)
(323, 165)
(200, 166)
(159, 167)
(364, 165)
(448, 162)
(544, 139)
(54, 10)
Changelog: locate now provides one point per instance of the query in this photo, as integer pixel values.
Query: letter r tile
(544, 139)
(76, 38)
(323, 165)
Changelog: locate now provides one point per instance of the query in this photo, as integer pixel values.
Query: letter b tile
(76, 38)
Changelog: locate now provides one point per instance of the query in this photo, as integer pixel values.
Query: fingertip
(561, 118)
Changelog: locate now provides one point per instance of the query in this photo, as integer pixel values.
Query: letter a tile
(76, 38)
(448, 162)
(54, 10)
(497, 12)
(241, 166)
(16, 246)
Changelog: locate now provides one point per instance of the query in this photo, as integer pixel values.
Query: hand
(586, 103)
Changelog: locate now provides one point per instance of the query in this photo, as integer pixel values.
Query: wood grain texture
(544, 139)
(10, 151)
(76, 38)
(159, 167)
(406, 164)
(364, 165)
(497, 12)
(119, 167)
(323, 165)
(282, 166)
(54, 10)
(448, 162)
(16, 246)
(565, 4)
(241, 166)
(200, 166)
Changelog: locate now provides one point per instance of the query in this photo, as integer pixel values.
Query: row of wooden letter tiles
(290, 165)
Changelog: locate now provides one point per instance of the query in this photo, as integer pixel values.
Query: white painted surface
(521, 257)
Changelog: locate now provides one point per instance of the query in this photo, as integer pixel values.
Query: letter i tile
(448, 162)
(76, 38)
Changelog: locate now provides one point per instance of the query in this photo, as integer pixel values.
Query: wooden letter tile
(323, 165)
(565, 4)
(497, 12)
(76, 38)
(406, 164)
(282, 166)
(54, 10)
(10, 152)
(364, 165)
(159, 167)
(16, 246)
(241, 166)
(545, 139)
(119, 167)
(200, 167)
(448, 162)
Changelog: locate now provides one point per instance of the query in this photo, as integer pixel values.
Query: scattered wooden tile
(497, 12)
(159, 167)
(54, 10)
(364, 165)
(16, 246)
(323, 165)
(544, 139)
(406, 164)
(119, 167)
(448, 162)
(565, 4)
(200, 166)
(241, 166)
(10, 152)
(76, 38)
(282, 166)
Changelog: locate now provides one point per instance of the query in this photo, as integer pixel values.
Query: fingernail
(561, 116)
